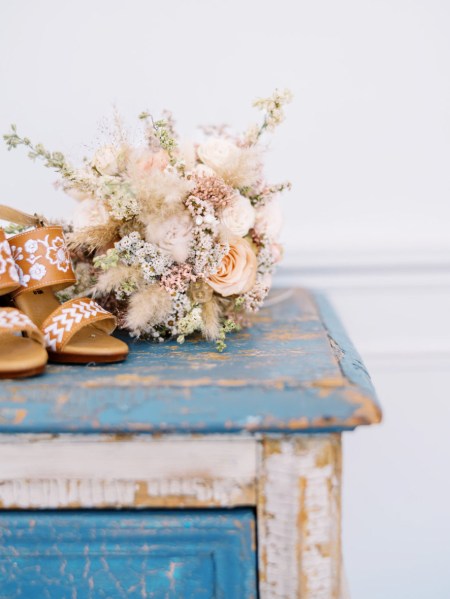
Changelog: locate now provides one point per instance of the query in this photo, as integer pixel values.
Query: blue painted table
(199, 450)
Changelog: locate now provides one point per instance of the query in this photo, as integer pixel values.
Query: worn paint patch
(20, 416)
(299, 518)
(126, 471)
(295, 370)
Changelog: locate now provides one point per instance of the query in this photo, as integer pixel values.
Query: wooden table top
(294, 371)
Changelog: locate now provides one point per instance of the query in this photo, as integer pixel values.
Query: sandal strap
(69, 318)
(15, 321)
(21, 218)
(42, 259)
(9, 278)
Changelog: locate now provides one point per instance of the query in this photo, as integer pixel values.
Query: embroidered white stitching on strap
(13, 319)
(64, 320)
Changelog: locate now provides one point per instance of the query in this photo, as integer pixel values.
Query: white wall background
(367, 147)
(367, 141)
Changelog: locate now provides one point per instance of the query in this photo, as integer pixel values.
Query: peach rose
(237, 272)
(142, 161)
(89, 213)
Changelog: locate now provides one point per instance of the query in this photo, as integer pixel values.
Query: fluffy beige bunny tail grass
(162, 193)
(246, 171)
(112, 279)
(93, 238)
(211, 312)
(147, 308)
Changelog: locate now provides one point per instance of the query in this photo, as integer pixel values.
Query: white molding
(376, 257)
(329, 270)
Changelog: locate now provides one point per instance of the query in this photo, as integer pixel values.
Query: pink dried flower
(177, 279)
(213, 190)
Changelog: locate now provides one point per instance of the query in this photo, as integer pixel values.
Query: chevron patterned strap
(72, 316)
(15, 321)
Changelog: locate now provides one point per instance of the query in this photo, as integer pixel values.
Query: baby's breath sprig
(163, 133)
(190, 323)
(227, 327)
(260, 198)
(54, 160)
(273, 108)
(166, 141)
(108, 260)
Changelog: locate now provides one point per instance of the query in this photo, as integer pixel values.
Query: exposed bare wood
(299, 517)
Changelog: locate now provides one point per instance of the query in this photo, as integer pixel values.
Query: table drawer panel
(160, 554)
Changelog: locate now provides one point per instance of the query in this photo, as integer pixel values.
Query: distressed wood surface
(294, 370)
(101, 471)
(141, 555)
(299, 536)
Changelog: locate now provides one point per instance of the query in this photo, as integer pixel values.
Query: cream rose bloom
(219, 154)
(201, 170)
(269, 219)
(173, 234)
(105, 160)
(239, 216)
(237, 272)
(89, 213)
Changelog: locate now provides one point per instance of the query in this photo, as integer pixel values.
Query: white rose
(269, 219)
(105, 160)
(201, 170)
(239, 216)
(89, 213)
(219, 154)
(174, 235)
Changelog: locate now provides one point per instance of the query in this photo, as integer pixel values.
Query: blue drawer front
(143, 555)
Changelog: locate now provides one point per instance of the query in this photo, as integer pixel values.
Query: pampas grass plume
(148, 307)
(111, 279)
(211, 319)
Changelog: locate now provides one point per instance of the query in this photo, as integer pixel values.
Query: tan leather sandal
(78, 331)
(20, 356)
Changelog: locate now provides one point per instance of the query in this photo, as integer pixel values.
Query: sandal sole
(61, 358)
(23, 374)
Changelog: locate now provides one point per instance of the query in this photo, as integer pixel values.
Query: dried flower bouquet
(174, 237)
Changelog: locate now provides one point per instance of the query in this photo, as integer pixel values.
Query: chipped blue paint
(142, 555)
(350, 361)
(295, 370)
